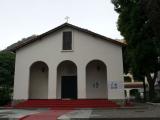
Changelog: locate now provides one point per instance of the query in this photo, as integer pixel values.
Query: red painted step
(80, 103)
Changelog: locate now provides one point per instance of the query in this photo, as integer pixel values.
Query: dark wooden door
(69, 87)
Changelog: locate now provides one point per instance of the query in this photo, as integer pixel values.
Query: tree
(152, 10)
(7, 63)
(135, 23)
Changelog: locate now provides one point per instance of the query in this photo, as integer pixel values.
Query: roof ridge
(33, 38)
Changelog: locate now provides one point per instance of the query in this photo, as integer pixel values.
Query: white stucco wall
(85, 49)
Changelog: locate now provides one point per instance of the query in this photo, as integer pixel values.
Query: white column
(52, 82)
(28, 83)
(128, 93)
(81, 81)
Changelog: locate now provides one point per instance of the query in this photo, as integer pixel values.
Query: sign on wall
(114, 85)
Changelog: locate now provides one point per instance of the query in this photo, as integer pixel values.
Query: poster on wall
(116, 85)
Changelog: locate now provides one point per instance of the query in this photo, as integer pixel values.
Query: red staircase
(80, 103)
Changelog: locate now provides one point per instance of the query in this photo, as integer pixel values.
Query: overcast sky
(23, 18)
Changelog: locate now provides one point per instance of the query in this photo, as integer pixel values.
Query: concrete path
(76, 114)
(140, 112)
(15, 114)
(147, 112)
(48, 115)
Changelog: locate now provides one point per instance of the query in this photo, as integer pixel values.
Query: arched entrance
(96, 80)
(38, 85)
(67, 80)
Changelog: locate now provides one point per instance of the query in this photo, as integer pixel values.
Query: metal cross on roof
(67, 18)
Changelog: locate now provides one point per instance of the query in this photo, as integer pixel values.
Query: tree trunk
(151, 82)
(151, 91)
(144, 88)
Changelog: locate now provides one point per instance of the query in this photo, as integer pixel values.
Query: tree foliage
(139, 23)
(7, 63)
